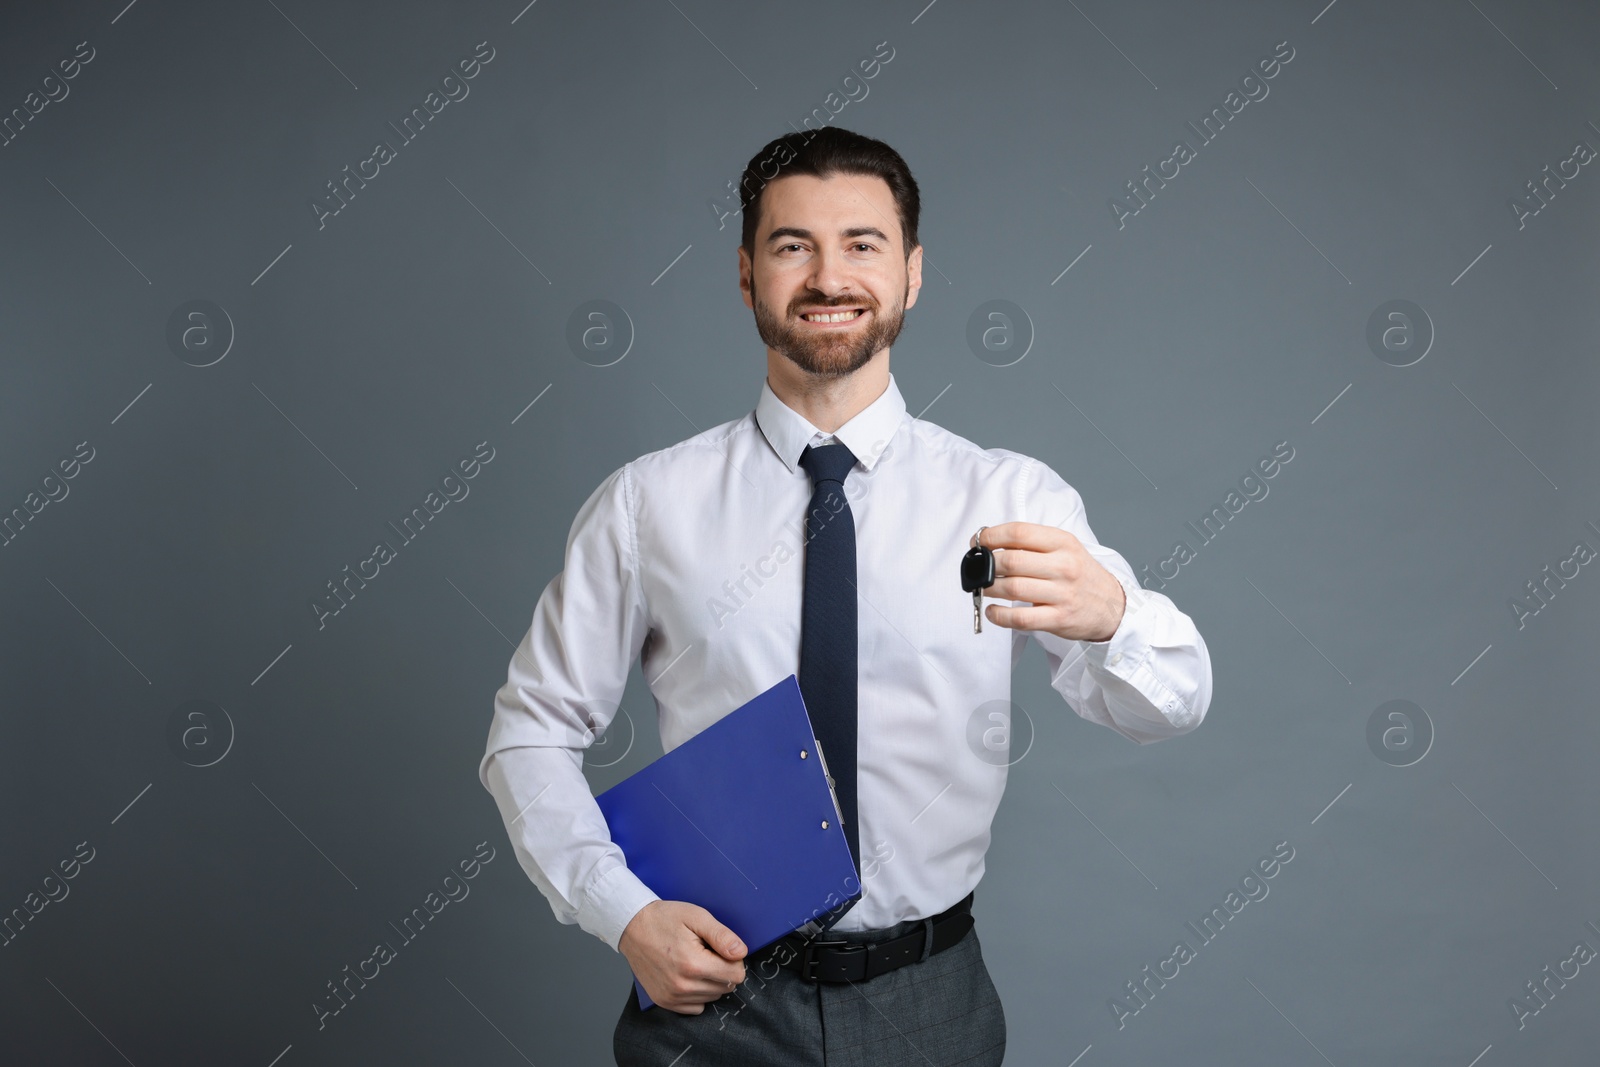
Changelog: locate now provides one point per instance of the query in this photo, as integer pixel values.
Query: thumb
(722, 940)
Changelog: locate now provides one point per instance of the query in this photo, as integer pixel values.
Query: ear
(745, 267)
(913, 276)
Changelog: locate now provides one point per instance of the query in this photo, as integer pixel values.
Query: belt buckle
(809, 960)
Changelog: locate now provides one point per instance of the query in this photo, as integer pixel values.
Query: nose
(829, 273)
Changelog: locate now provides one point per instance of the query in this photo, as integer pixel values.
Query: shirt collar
(867, 435)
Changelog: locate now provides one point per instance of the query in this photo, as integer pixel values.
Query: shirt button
(1115, 657)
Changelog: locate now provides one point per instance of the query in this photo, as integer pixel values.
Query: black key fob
(977, 569)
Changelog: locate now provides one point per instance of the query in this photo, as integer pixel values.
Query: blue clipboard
(733, 820)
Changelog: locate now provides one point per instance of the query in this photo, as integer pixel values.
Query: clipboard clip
(831, 791)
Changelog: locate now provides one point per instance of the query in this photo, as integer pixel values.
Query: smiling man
(682, 559)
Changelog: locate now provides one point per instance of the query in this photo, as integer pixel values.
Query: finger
(1026, 588)
(1029, 535)
(707, 989)
(717, 937)
(993, 536)
(1014, 560)
(719, 972)
(997, 536)
(693, 991)
(1021, 563)
(1020, 618)
(702, 993)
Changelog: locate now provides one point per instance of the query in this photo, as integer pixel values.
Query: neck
(827, 403)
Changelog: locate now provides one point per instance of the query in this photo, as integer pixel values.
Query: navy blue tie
(828, 624)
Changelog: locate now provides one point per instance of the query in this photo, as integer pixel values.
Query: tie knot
(829, 463)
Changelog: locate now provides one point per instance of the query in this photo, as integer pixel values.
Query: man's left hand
(1071, 594)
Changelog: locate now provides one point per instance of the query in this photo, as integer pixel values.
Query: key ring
(991, 551)
(981, 544)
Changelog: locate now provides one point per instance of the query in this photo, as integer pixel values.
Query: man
(820, 535)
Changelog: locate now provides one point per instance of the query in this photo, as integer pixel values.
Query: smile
(828, 318)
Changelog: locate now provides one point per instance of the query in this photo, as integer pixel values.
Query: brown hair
(821, 154)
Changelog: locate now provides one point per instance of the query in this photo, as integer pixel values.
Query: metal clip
(824, 761)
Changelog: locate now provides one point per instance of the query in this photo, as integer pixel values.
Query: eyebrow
(807, 235)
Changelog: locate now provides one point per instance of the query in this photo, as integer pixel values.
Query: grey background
(372, 354)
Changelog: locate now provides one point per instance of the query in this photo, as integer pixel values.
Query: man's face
(829, 245)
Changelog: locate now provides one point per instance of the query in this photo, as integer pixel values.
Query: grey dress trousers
(943, 1011)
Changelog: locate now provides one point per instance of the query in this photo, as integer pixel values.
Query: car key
(977, 574)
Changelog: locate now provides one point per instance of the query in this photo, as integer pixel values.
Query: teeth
(838, 316)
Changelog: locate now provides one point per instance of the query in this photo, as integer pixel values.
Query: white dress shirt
(693, 555)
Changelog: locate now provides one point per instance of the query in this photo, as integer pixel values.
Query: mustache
(814, 305)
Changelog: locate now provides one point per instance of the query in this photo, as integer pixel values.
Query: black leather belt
(837, 960)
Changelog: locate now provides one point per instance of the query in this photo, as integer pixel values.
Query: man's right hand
(666, 944)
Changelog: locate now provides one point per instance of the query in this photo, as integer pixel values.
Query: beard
(829, 353)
